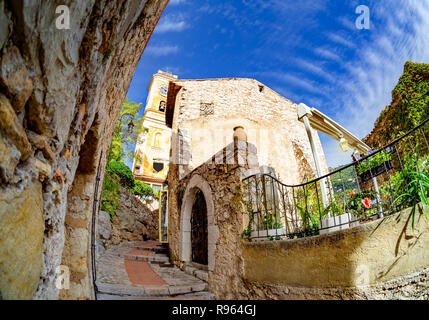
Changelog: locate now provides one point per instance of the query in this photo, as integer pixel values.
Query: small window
(261, 88)
(157, 140)
(162, 106)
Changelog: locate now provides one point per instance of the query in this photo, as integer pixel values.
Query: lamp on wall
(344, 145)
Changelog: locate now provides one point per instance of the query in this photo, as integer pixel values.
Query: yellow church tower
(153, 145)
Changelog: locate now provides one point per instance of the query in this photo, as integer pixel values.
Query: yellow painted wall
(155, 123)
(152, 152)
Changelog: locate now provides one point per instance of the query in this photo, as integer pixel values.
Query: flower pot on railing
(263, 235)
(376, 171)
(344, 221)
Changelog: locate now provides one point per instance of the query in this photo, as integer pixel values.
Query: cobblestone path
(142, 271)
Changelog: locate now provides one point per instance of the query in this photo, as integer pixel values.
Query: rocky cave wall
(60, 95)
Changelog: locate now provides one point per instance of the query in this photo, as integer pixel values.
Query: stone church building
(205, 208)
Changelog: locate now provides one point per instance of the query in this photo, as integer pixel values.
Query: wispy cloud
(298, 81)
(341, 40)
(162, 50)
(175, 2)
(328, 54)
(172, 23)
(315, 69)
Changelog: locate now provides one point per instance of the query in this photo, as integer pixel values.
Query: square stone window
(206, 109)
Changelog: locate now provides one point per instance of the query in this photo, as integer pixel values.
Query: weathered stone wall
(60, 96)
(206, 111)
(205, 114)
(227, 218)
(383, 259)
(133, 221)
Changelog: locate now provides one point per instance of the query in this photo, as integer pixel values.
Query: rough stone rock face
(60, 95)
(104, 226)
(22, 218)
(133, 221)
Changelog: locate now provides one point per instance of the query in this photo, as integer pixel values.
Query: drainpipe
(303, 113)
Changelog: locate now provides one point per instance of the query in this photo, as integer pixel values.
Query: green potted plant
(375, 165)
(271, 227)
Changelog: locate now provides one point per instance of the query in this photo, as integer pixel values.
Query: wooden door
(199, 229)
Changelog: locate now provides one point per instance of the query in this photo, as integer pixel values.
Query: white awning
(323, 123)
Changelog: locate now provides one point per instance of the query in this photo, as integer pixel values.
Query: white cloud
(298, 81)
(172, 23)
(315, 69)
(176, 2)
(341, 40)
(328, 54)
(160, 50)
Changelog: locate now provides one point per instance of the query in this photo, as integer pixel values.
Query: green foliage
(129, 112)
(124, 173)
(115, 152)
(110, 194)
(142, 189)
(123, 142)
(373, 162)
(108, 53)
(410, 102)
(121, 149)
(310, 222)
(344, 180)
(413, 185)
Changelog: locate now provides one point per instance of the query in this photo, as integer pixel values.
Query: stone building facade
(203, 114)
(60, 95)
(207, 163)
(383, 259)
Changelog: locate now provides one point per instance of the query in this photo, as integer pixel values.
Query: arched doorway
(198, 199)
(199, 239)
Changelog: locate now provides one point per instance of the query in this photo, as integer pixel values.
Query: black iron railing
(376, 185)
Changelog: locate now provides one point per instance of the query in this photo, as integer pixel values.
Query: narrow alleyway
(142, 271)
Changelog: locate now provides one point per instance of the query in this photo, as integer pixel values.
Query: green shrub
(110, 194)
(124, 173)
(142, 189)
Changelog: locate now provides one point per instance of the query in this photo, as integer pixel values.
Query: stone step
(200, 274)
(163, 264)
(156, 249)
(148, 258)
(202, 295)
(149, 291)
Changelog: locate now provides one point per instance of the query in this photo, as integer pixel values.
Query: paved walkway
(142, 271)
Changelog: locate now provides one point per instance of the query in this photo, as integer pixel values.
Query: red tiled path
(140, 273)
(140, 253)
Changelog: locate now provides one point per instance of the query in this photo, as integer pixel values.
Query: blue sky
(308, 51)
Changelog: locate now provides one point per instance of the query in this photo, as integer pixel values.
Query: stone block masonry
(60, 96)
(206, 112)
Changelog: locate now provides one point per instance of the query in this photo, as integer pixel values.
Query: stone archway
(197, 183)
